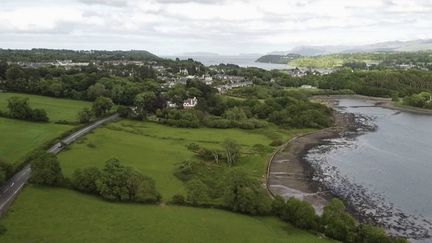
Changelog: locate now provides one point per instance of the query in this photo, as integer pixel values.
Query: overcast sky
(227, 27)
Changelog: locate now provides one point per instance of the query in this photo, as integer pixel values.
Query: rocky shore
(289, 175)
(298, 170)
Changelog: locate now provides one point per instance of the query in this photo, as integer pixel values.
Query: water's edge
(367, 206)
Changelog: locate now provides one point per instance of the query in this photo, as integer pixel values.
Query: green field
(156, 150)
(59, 215)
(57, 109)
(17, 138)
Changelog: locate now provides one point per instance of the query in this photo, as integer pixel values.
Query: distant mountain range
(415, 45)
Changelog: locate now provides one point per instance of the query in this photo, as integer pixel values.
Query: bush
(197, 193)
(119, 183)
(278, 206)
(19, 108)
(193, 147)
(337, 223)
(178, 199)
(245, 194)
(39, 115)
(300, 214)
(185, 171)
(85, 115)
(101, 106)
(371, 234)
(46, 170)
(143, 189)
(276, 142)
(123, 111)
(85, 179)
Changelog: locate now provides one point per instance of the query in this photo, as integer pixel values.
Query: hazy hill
(35, 55)
(415, 45)
(280, 59)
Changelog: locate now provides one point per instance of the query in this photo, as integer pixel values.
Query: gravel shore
(290, 176)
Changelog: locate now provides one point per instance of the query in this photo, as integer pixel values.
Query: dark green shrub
(197, 193)
(300, 214)
(245, 194)
(337, 223)
(178, 199)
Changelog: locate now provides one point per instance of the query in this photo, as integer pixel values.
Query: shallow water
(390, 166)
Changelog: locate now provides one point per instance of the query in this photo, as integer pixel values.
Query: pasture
(156, 150)
(56, 108)
(44, 214)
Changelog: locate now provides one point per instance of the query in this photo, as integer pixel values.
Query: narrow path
(10, 189)
(288, 175)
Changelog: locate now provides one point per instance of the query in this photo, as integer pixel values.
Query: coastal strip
(288, 175)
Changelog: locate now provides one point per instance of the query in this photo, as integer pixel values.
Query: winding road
(10, 189)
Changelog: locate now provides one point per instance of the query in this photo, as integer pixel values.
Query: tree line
(114, 182)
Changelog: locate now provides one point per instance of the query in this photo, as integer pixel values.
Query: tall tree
(19, 108)
(145, 102)
(101, 106)
(46, 170)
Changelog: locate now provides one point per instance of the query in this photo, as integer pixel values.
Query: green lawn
(156, 150)
(58, 215)
(57, 109)
(17, 138)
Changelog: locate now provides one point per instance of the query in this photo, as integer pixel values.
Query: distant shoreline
(378, 101)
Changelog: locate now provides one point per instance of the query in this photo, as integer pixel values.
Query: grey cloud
(120, 24)
(191, 1)
(114, 3)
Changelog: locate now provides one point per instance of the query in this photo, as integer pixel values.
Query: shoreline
(289, 175)
(386, 103)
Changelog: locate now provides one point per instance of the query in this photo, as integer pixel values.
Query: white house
(171, 104)
(184, 71)
(305, 86)
(190, 103)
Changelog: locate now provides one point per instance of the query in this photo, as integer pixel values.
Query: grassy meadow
(18, 138)
(43, 214)
(156, 150)
(57, 109)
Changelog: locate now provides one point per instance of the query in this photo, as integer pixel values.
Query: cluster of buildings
(301, 72)
(67, 64)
